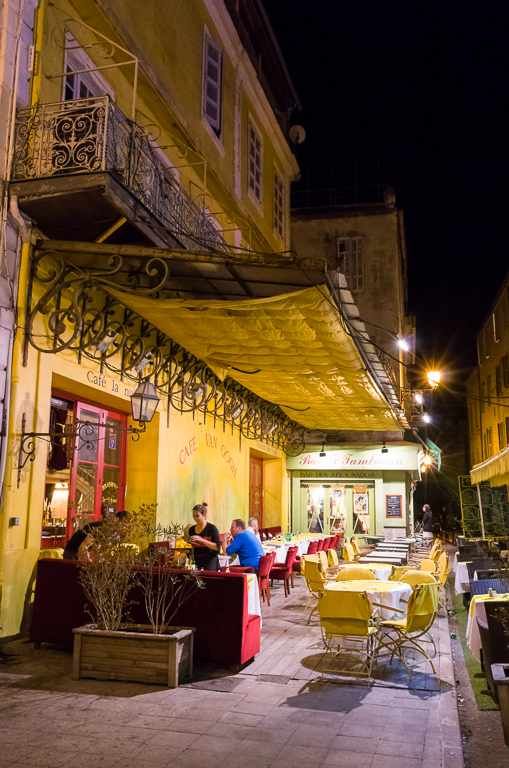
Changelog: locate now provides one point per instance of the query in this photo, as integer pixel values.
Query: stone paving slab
(289, 718)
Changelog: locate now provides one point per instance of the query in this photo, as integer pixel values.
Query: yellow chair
(315, 582)
(443, 566)
(422, 610)
(349, 555)
(307, 559)
(354, 574)
(398, 571)
(428, 565)
(346, 617)
(414, 577)
(360, 549)
(436, 550)
(332, 556)
(443, 570)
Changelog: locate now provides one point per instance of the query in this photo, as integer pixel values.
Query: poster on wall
(360, 509)
(393, 505)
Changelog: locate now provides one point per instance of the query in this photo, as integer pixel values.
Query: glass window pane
(315, 508)
(360, 509)
(109, 495)
(337, 509)
(85, 488)
(112, 441)
(87, 444)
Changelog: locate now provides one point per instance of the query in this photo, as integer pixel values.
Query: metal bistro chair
(347, 617)
(284, 570)
(422, 610)
(266, 562)
(315, 581)
(349, 555)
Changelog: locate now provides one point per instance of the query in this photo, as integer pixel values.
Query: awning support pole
(480, 510)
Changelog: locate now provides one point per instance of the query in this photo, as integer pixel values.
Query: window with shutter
(279, 205)
(254, 177)
(505, 369)
(498, 380)
(212, 83)
(351, 258)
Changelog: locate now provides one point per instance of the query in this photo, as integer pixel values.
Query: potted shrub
(111, 648)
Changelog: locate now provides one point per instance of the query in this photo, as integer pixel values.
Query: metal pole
(480, 510)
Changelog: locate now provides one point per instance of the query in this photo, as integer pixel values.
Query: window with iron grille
(212, 83)
(351, 261)
(254, 176)
(279, 204)
(502, 440)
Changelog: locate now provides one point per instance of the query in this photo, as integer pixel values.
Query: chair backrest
(414, 577)
(354, 543)
(398, 571)
(348, 553)
(353, 574)
(320, 545)
(315, 579)
(435, 550)
(443, 566)
(333, 557)
(422, 607)
(345, 613)
(290, 556)
(326, 542)
(428, 565)
(264, 566)
(334, 542)
(305, 559)
(313, 546)
(324, 563)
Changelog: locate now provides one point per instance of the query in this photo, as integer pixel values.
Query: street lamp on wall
(144, 402)
(433, 378)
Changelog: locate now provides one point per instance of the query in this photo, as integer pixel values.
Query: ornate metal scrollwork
(83, 432)
(80, 315)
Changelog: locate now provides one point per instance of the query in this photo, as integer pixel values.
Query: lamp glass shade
(144, 402)
(433, 378)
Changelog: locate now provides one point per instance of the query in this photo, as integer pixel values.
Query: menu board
(393, 505)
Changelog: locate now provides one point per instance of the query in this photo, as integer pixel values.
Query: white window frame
(279, 203)
(210, 102)
(252, 184)
(76, 59)
(350, 249)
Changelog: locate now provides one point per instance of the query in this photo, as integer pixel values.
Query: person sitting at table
(245, 545)
(76, 547)
(252, 527)
(204, 538)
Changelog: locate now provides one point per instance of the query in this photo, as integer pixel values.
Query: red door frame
(255, 462)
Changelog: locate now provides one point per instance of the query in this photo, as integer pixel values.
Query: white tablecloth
(253, 595)
(381, 572)
(224, 560)
(282, 547)
(461, 579)
(391, 598)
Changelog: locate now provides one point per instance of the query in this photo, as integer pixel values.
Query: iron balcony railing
(90, 135)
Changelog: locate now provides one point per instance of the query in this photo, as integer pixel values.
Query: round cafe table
(387, 593)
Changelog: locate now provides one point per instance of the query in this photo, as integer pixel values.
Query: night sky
(414, 94)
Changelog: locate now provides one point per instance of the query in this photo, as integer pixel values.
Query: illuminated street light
(426, 418)
(402, 343)
(433, 378)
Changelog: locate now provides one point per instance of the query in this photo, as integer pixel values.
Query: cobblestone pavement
(276, 712)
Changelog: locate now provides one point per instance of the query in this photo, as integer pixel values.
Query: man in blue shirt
(244, 544)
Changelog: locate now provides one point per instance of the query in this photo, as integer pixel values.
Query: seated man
(252, 527)
(242, 543)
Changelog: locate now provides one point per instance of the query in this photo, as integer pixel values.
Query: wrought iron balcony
(93, 135)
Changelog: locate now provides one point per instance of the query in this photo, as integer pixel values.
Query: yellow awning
(491, 468)
(300, 355)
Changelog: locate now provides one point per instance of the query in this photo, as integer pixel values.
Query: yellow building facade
(147, 127)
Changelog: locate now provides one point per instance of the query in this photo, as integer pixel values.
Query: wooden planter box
(500, 674)
(134, 654)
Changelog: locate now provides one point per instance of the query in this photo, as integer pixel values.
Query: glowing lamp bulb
(433, 378)
(426, 418)
(403, 344)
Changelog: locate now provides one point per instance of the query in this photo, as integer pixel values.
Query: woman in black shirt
(205, 540)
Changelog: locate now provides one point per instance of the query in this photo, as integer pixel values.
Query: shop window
(256, 490)
(315, 508)
(351, 261)
(212, 83)
(337, 509)
(85, 478)
(254, 176)
(360, 509)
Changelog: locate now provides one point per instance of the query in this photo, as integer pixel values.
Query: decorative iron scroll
(80, 315)
(89, 135)
(85, 432)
